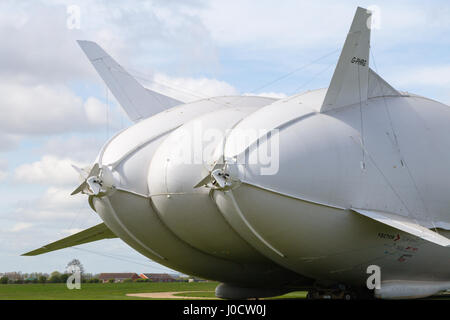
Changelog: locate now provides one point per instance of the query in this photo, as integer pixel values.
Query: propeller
(97, 180)
(217, 178)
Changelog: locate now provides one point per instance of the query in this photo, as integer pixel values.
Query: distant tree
(88, 276)
(4, 280)
(42, 279)
(55, 277)
(111, 281)
(75, 264)
(64, 277)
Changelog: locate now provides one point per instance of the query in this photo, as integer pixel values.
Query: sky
(55, 110)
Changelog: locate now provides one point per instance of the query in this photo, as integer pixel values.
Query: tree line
(54, 277)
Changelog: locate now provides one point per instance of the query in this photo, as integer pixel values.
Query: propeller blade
(203, 182)
(99, 179)
(208, 177)
(79, 170)
(79, 189)
(95, 171)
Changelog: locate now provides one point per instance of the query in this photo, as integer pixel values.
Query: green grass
(199, 294)
(292, 295)
(95, 291)
(210, 294)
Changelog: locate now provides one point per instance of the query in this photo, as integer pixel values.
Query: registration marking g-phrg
(360, 61)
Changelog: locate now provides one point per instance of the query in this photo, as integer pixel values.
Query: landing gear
(330, 294)
(338, 294)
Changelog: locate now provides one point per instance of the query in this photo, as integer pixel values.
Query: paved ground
(168, 295)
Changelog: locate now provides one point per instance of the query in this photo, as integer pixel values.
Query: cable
(362, 122)
(402, 160)
(129, 260)
(309, 81)
(294, 71)
(147, 78)
(107, 113)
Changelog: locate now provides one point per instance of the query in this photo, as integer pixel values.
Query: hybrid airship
(267, 196)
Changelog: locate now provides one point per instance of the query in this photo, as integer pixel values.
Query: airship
(341, 191)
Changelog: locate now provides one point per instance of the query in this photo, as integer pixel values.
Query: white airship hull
(290, 218)
(170, 222)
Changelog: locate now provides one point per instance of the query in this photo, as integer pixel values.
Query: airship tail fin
(138, 102)
(406, 225)
(350, 79)
(98, 232)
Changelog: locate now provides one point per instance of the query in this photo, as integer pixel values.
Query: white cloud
(438, 76)
(190, 89)
(82, 149)
(3, 175)
(8, 141)
(306, 24)
(39, 109)
(37, 44)
(3, 163)
(99, 114)
(59, 200)
(50, 109)
(21, 226)
(276, 95)
(3, 166)
(44, 60)
(71, 231)
(55, 205)
(267, 25)
(40, 48)
(49, 170)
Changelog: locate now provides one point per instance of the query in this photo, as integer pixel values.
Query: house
(158, 277)
(196, 279)
(117, 277)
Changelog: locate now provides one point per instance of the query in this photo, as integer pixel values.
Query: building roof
(104, 276)
(156, 276)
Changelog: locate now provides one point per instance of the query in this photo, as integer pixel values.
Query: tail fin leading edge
(138, 102)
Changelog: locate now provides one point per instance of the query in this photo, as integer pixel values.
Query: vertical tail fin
(138, 102)
(350, 79)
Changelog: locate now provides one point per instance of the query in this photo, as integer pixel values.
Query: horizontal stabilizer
(138, 102)
(98, 232)
(406, 225)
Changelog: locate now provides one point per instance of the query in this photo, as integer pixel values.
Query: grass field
(111, 291)
(95, 291)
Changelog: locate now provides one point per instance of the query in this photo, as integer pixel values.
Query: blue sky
(56, 111)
